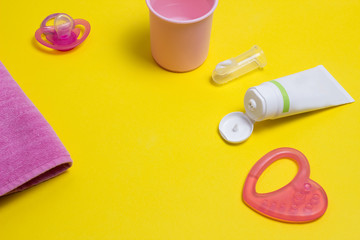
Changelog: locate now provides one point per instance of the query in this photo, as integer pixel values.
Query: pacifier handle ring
(271, 157)
(51, 16)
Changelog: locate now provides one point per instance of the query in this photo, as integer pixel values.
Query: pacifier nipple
(63, 25)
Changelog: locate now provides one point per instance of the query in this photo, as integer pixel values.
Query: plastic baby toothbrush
(64, 34)
(302, 200)
(235, 67)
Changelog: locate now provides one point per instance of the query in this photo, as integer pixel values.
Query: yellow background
(148, 160)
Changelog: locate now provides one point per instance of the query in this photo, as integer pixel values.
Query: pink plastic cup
(180, 32)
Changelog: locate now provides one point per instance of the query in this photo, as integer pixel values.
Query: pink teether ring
(63, 35)
(302, 200)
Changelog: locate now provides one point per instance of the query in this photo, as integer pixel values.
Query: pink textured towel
(30, 151)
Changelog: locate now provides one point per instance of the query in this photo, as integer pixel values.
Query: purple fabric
(30, 151)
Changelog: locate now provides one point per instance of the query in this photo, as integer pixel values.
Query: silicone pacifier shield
(302, 200)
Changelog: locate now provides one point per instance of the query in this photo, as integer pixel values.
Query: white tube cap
(236, 127)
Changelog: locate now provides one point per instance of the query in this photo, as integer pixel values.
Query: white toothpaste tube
(305, 91)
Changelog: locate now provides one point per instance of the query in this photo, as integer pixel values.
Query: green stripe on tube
(284, 95)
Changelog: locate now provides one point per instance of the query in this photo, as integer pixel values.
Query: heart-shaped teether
(302, 200)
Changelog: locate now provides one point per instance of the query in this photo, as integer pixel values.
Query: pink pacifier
(63, 35)
(302, 200)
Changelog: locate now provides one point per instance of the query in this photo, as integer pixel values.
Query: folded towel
(30, 151)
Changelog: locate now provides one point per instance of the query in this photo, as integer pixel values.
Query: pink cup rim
(185, 21)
